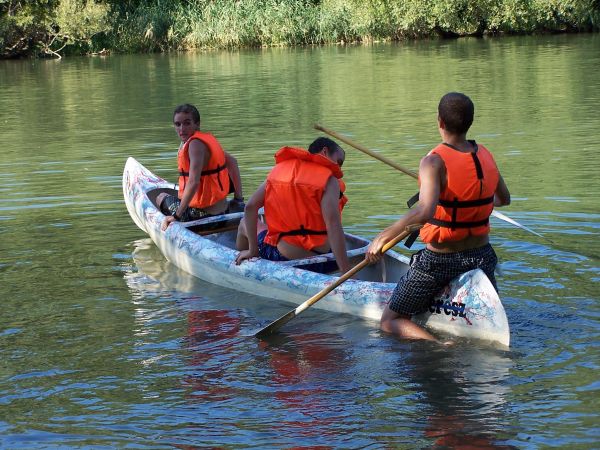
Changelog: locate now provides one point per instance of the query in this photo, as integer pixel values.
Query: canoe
(469, 307)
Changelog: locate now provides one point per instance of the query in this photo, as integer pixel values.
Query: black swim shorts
(170, 204)
(430, 272)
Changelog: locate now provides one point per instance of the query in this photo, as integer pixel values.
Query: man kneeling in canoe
(303, 197)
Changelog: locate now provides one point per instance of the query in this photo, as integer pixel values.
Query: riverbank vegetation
(62, 27)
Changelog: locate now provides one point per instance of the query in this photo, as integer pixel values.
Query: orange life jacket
(293, 193)
(465, 204)
(214, 181)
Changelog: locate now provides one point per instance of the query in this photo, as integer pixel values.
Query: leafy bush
(75, 23)
(81, 26)
(23, 25)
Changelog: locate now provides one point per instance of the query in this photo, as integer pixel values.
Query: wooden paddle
(410, 172)
(274, 326)
(375, 155)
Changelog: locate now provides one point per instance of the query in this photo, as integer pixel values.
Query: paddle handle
(375, 155)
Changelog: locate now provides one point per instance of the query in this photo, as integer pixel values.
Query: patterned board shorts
(268, 251)
(430, 272)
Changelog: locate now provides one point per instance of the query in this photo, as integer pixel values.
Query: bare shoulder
(199, 152)
(432, 170)
(431, 163)
(331, 194)
(333, 185)
(196, 145)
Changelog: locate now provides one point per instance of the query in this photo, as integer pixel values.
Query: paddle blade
(276, 325)
(501, 216)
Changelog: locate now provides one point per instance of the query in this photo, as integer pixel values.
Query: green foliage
(250, 23)
(23, 25)
(527, 16)
(75, 23)
(83, 26)
(50, 26)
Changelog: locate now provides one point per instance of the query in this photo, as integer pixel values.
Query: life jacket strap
(453, 224)
(414, 199)
(302, 232)
(410, 240)
(204, 172)
(207, 172)
(466, 203)
(213, 171)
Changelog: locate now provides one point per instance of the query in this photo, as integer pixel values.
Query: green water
(105, 344)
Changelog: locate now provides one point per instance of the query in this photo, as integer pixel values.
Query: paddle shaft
(276, 325)
(410, 172)
(375, 155)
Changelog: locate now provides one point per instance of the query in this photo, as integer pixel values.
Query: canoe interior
(152, 194)
(223, 230)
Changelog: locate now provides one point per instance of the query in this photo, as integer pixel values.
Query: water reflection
(303, 379)
(296, 375)
(463, 392)
(302, 370)
(210, 343)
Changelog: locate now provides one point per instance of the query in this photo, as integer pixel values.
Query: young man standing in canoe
(205, 173)
(303, 197)
(459, 186)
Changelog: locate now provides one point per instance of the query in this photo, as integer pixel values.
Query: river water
(104, 344)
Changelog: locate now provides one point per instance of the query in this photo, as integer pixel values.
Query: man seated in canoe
(459, 186)
(303, 197)
(207, 173)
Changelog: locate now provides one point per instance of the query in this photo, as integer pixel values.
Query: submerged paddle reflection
(299, 366)
(210, 338)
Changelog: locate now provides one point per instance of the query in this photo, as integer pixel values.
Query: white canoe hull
(469, 307)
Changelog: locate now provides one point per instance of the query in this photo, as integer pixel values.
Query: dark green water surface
(104, 344)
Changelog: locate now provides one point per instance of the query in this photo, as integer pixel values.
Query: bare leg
(401, 326)
(241, 241)
(160, 198)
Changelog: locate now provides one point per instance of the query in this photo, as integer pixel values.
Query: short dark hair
(320, 143)
(457, 111)
(190, 109)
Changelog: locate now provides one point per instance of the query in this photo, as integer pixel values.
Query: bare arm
(255, 202)
(502, 195)
(333, 222)
(199, 155)
(234, 172)
(431, 171)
